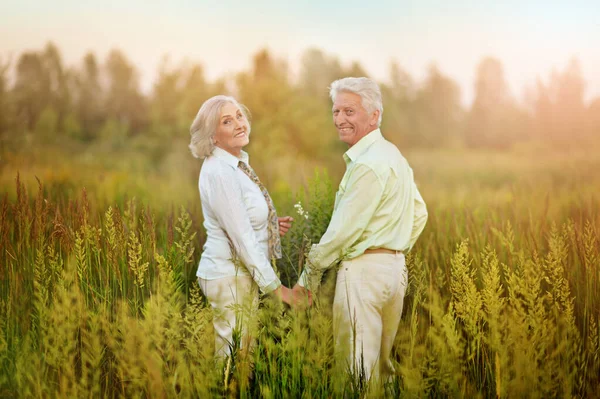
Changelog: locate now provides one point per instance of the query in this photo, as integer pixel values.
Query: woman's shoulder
(213, 168)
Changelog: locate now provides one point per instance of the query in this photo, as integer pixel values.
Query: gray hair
(366, 88)
(205, 124)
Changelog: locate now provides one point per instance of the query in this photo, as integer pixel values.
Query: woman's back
(233, 208)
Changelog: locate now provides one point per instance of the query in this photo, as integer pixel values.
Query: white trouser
(233, 300)
(369, 295)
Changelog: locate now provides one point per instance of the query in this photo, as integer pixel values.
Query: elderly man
(378, 216)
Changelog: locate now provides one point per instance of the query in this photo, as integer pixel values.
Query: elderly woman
(243, 230)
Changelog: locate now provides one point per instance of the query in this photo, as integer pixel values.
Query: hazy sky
(529, 37)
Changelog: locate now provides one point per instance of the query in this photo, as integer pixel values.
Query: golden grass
(98, 296)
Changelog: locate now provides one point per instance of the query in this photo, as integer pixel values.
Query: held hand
(284, 294)
(285, 223)
(301, 296)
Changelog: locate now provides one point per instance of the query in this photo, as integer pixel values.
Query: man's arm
(348, 222)
(420, 217)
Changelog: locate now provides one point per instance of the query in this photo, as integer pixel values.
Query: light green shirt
(377, 205)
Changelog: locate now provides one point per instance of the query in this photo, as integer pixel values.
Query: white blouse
(234, 206)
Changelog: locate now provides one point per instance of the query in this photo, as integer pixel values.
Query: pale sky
(529, 37)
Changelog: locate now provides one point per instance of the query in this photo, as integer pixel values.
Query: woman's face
(233, 129)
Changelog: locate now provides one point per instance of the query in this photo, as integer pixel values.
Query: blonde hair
(205, 124)
(366, 88)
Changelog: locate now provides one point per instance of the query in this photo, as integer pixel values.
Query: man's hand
(297, 298)
(301, 297)
(285, 223)
(284, 294)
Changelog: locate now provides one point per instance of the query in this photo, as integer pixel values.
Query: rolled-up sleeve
(230, 211)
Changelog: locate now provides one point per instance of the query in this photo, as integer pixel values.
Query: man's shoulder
(384, 158)
(382, 152)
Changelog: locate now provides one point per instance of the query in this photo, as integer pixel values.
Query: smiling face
(233, 129)
(351, 119)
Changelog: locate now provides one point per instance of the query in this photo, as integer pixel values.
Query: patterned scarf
(273, 222)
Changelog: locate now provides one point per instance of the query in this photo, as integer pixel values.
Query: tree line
(101, 100)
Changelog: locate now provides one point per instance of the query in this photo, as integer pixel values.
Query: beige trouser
(234, 300)
(369, 295)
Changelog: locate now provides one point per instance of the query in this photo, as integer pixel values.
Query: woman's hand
(284, 294)
(285, 223)
(298, 298)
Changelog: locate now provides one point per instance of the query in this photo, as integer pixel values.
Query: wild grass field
(98, 296)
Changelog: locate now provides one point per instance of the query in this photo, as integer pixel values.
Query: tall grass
(100, 300)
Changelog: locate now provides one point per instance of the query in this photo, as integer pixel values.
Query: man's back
(393, 220)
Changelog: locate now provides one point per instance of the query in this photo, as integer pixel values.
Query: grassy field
(98, 296)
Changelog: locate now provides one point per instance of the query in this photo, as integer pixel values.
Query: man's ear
(374, 117)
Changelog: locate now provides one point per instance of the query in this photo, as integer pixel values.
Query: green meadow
(101, 233)
(99, 298)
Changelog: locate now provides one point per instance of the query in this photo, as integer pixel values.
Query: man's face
(351, 119)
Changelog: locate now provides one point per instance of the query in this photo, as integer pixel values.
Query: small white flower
(301, 210)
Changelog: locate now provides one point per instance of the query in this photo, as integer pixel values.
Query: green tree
(494, 120)
(315, 137)
(195, 91)
(5, 106)
(355, 70)
(593, 120)
(166, 97)
(46, 126)
(289, 127)
(89, 97)
(58, 96)
(398, 103)
(266, 91)
(438, 112)
(123, 101)
(317, 72)
(41, 83)
(570, 92)
(30, 90)
(559, 112)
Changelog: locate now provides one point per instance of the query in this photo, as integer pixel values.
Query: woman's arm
(231, 213)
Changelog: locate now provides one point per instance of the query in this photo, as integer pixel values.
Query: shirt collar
(362, 145)
(230, 159)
